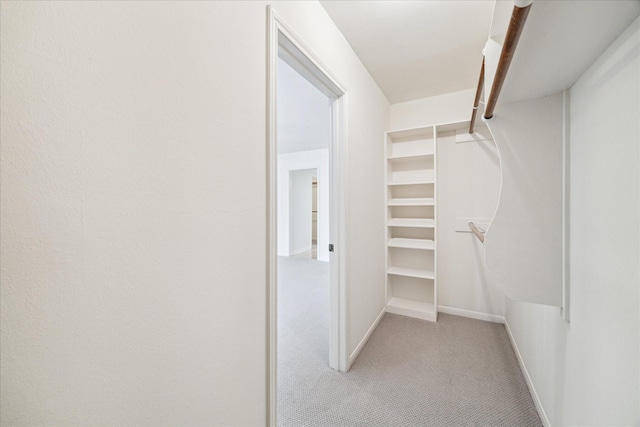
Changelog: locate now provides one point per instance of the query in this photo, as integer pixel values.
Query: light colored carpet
(457, 372)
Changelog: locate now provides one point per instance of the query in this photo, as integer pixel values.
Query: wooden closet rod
(476, 102)
(479, 234)
(516, 24)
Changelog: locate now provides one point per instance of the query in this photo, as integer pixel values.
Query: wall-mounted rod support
(479, 233)
(476, 102)
(516, 24)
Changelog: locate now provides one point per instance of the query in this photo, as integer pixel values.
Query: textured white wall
(586, 372)
(133, 165)
(523, 245)
(468, 187)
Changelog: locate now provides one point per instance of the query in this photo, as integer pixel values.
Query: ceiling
(303, 113)
(416, 49)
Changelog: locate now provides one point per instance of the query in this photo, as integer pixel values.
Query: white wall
(523, 245)
(468, 188)
(133, 162)
(448, 108)
(586, 372)
(315, 159)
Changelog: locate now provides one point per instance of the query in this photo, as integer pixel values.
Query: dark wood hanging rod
(479, 233)
(516, 24)
(476, 102)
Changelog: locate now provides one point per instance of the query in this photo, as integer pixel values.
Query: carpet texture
(457, 372)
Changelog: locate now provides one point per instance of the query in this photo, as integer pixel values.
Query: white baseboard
(366, 337)
(527, 378)
(300, 251)
(471, 314)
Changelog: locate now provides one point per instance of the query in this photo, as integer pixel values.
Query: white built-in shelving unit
(411, 223)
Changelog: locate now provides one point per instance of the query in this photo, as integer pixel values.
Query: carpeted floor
(457, 372)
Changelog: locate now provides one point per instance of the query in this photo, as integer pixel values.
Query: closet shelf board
(417, 309)
(412, 244)
(418, 201)
(410, 156)
(411, 182)
(411, 222)
(411, 272)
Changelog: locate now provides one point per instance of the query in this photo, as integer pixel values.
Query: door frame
(283, 42)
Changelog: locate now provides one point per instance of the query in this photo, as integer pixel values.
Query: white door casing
(284, 44)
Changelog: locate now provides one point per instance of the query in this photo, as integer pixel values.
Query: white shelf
(416, 156)
(411, 272)
(425, 201)
(417, 309)
(412, 182)
(411, 133)
(411, 222)
(412, 244)
(411, 173)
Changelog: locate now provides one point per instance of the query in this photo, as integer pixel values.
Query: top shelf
(409, 134)
(408, 150)
(414, 201)
(410, 143)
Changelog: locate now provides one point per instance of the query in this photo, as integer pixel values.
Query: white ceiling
(416, 49)
(303, 113)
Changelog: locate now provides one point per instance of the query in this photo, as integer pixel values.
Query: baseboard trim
(300, 251)
(366, 337)
(471, 314)
(527, 378)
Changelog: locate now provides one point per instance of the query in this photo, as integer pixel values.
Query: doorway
(286, 47)
(314, 216)
(303, 216)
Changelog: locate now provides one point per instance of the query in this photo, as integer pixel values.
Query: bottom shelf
(411, 308)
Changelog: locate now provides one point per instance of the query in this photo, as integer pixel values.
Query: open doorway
(303, 216)
(303, 283)
(314, 216)
(286, 53)
(297, 165)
